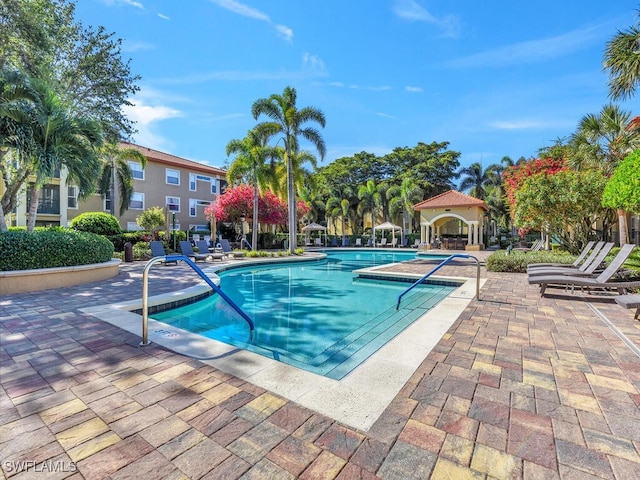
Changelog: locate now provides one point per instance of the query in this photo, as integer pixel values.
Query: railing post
(145, 294)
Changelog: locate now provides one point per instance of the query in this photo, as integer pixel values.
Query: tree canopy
(623, 188)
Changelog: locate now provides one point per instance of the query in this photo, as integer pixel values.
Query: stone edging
(21, 281)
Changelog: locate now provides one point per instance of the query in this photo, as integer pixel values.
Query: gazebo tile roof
(452, 198)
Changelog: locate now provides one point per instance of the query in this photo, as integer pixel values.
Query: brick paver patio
(519, 387)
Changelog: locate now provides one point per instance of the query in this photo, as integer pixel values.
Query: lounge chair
(358, 242)
(604, 280)
(346, 242)
(535, 246)
(630, 301)
(588, 268)
(203, 247)
(187, 249)
(383, 242)
(577, 261)
(334, 242)
(228, 251)
(394, 242)
(157, 250)
(318, 242)
(370, 242)
(416, 243)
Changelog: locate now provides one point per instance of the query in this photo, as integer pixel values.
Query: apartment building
(184, 186)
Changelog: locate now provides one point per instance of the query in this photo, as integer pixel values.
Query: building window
(137, 172)
(48, 201)
(72, 197)
(173, 177)
(199, 228)
(214, 186)
(174, 204)
(133, 226)
(137, 201)
(194, 204)
(107, 202)
(194, 178)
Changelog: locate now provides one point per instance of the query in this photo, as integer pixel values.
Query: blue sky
(491, 78)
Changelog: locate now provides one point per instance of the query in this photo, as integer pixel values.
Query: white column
(469, 233)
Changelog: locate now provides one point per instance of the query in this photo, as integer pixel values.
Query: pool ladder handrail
(145, 293)
(440, 265)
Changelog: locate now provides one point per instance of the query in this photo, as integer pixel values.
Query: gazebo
(312, 227)
(437, 214)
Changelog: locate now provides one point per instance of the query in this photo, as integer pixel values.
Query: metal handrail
(442, 264)
(188, 261)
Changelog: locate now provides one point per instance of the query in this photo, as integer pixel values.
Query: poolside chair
(588, 268)
(575, 264)
(226, 247)
(370, 242)
(394, 242)
(604, 280)
(318, 242)
(187, 249)
(358, 242)
(535, 246)
(203, 247)
(416, 243)
(334, 242)
(383, 242)
(346, 242)
(157, 250)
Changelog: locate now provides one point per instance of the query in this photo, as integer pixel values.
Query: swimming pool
(317, 316)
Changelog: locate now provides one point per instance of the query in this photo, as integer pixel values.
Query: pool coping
(357, 400)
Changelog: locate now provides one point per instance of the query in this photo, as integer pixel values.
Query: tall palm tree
(57, 138)
(622, 61)
(290, 120)
(370, 197)
(476, 180)
(116, 171)
(252, 154)
(402, 198)
(601, 141)
(16, 97)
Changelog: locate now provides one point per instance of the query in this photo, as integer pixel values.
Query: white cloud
(529, 124)
(312, 63)
(136, 46)
(412, 11)
(147, 117)
(385, 115)
(164, 17)
(409, 88)
(250, 12)
(285, 32)
(532, 51)
(131, 3)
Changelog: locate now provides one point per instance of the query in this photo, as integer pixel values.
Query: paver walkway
(519, 387)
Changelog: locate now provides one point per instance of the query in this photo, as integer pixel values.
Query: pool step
(382, 327)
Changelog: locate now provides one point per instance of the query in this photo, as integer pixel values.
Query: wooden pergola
(436, 214)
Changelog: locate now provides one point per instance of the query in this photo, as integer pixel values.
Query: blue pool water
(318, 315)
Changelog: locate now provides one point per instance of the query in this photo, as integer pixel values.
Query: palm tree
(476, 180)
(251, 158)
(370, 197)
(339, 204)
(116, 171)
(56, 138)
(16, 96)
(289, 121)
(602, 141)
(402, 198)
(623, 63)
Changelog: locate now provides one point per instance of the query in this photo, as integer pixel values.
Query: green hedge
(23, 250)
(100, 223)
(515, 261)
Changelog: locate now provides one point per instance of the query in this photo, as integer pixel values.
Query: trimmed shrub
(516, 262)
(96, 222)
(52, 248)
